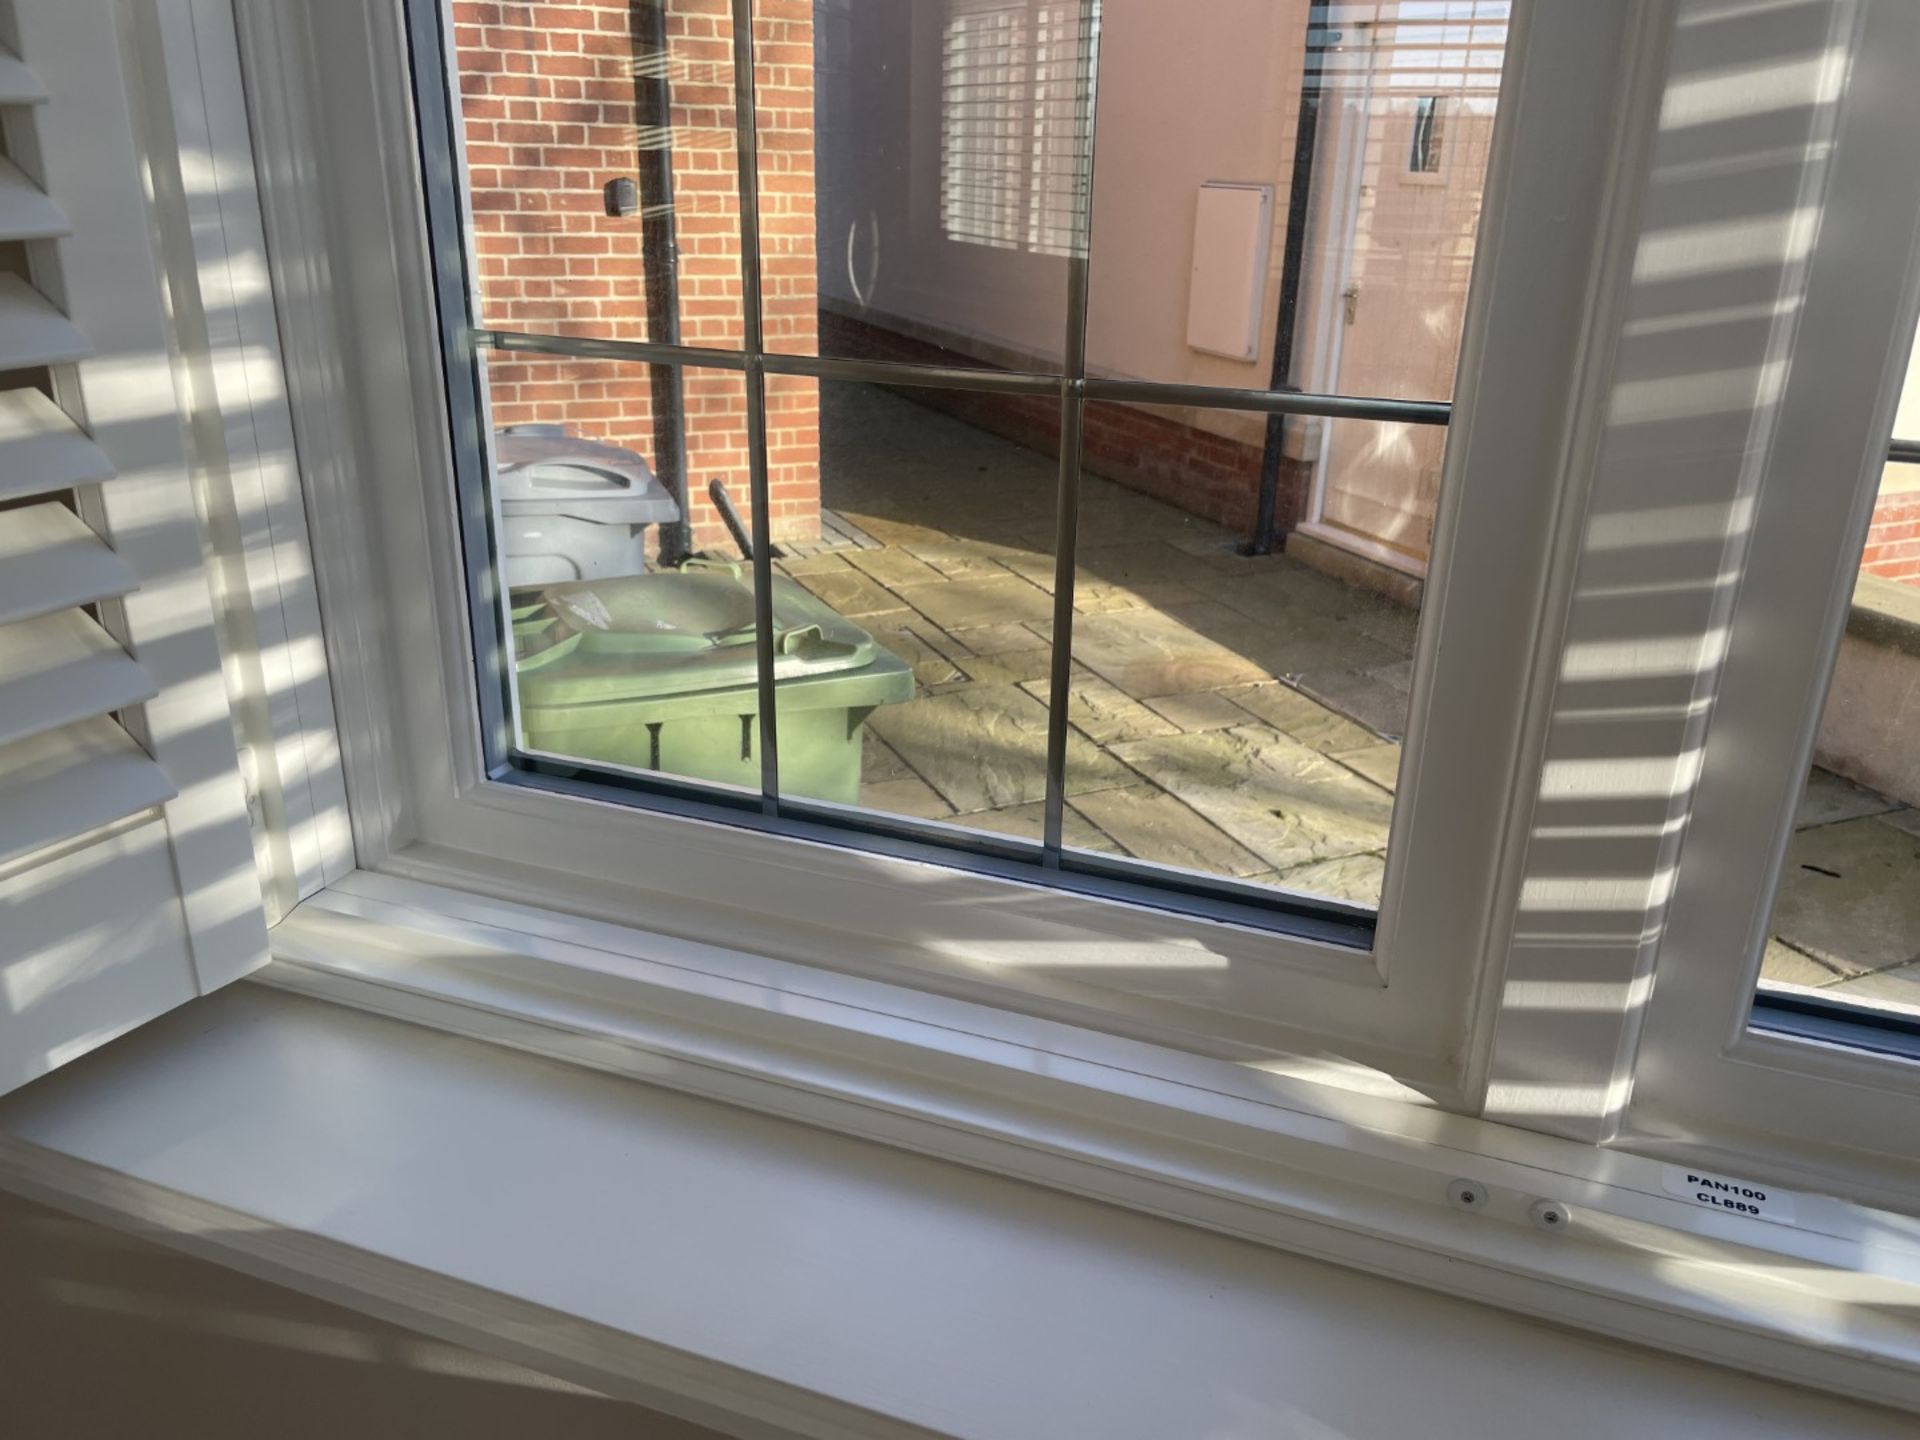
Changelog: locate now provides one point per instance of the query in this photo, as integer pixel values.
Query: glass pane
(1846, 923)
(600, 167)
(1295, 178)
(1257, 703)
(934, 566)
(633, 632)
(944, 180)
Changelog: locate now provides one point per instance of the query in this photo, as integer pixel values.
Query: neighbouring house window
(1013, 126)
(1424, 157)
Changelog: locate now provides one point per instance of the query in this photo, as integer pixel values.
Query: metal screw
(1550, 1215)
(1466, 1195)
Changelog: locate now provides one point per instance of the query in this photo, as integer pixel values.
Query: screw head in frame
(1550, 1215)
(1466, 1195)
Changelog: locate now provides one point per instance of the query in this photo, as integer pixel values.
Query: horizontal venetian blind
(1014, 122)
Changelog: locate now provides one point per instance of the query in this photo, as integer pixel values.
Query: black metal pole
(653, 115)
(1292, 263)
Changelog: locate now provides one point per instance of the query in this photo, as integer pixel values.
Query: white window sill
(740, 1268)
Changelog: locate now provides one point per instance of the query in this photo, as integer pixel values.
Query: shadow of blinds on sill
(128, 882)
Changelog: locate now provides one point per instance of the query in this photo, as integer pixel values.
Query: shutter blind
(66, 766)
(127, 875)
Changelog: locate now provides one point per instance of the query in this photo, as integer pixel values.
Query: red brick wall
(549, 111)
(1893, 541)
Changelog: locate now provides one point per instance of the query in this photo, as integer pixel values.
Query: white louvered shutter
(127, 874)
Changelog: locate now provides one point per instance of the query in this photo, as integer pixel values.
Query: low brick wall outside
(1893, 542)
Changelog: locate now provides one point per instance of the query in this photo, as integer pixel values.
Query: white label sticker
(1725, 1192)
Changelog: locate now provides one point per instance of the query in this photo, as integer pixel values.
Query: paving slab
(1379, 763)
(1152, 825)
(1850, 896)
(1284, 801)
(1199, 710)
(1029, 821)
(1830, 798)
(1896, 989)
(820, 562)
(1904, 819)
(1001, 639)
(879, 762)
(1150, 653)
(1291, 641)
(849, 592)
(1355, 879)
(910, 796)
(994, 600)
(984, 747)
(1376, 701)
(893, 567)
(1787, 966)
(1013, 667)
(931, 666)
(1301, 716)
(1103, 712)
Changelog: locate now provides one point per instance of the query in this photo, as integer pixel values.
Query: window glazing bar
(1904, 452)
(1072, 412)
(747, 152)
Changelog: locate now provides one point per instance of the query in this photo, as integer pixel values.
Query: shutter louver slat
(71, 780)
(62, 668)
(33, 332)
(41, 450)
(25, 214)
(50, 561)
(17, 83)
(25, 211)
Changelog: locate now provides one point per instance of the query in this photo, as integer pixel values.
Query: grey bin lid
(678, 631)
(543, 470)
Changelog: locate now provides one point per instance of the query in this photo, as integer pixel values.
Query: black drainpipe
(653, 113)
(1292, 262)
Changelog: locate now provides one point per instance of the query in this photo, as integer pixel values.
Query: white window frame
(422, 805)
(1450, 1019)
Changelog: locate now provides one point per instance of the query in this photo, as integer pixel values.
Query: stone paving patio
(1235, 716)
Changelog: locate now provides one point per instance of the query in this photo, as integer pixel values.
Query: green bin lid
(676, 632)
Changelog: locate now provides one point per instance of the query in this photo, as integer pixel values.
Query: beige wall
(104, 1335)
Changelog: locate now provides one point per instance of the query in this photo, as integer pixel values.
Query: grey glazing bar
(650, 352)
(1904, 452)
(747, 151)
(899, 372)
(1010, 382)
(1072, 409)
(1280, 402)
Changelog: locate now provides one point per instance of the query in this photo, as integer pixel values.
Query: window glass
(1846, 922)
(631, 607)
(950, 156)
(1217, 704)
(600, 170)
(1256, 703)
(936, 548)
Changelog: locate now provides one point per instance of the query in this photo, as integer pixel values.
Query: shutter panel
(128, 882)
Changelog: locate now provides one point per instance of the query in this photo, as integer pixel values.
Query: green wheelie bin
(657, 672)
